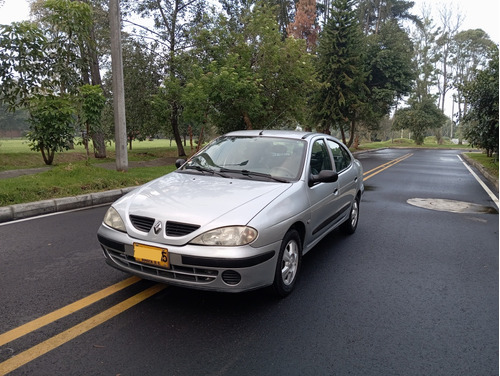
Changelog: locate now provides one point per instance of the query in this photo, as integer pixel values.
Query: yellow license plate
(151, 255)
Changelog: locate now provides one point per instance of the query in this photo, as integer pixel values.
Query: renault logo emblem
(157, 228)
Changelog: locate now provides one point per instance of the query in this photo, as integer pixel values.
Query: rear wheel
(288, 265)
(349, 226)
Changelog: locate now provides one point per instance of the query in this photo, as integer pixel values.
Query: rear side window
(341, 157)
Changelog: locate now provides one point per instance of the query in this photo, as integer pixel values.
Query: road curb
(492, 179)
(31, 209)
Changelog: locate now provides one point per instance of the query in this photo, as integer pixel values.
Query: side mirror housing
(179, 162)
(324, 176)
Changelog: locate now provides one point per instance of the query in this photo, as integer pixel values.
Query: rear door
(348, 177)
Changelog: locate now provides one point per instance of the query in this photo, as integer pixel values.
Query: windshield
(251, 157)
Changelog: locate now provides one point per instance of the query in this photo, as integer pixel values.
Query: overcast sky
(477, 14)
(482, 14)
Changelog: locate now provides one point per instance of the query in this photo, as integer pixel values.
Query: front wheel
(349, 226)
(288, 265)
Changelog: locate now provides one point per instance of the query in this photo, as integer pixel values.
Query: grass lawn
(16, 153)
(71, 173)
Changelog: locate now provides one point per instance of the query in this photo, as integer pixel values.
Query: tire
(350, 225)
(288, 264)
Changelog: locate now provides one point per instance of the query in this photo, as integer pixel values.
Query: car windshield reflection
(251, 157)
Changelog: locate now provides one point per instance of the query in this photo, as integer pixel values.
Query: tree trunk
(98, 137)
(48, 155)
(439, 136)
(247, 120)
(351, 135)
(99, 142)
(356, 141)
(343, 134)
(379, 18)
(174, 120)
(200, 139)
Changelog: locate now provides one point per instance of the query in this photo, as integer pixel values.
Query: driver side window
(320, 159)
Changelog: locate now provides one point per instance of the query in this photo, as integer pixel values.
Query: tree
(91, 102)
(25, 68)
(66, 24)
(426, 59)
(304, 26)
(142, 79)
(341, 100)
(421, 115)
(46, 57)
(471, 51)
(51, 124)
(172, 20)
(261, 81)
(70, 26)
(283, 10)
(392, 71)
(450, 25)
(374, 13)
(282, 70)
(481, 122)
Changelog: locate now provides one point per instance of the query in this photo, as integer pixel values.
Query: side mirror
(324, 176)
(179, 162)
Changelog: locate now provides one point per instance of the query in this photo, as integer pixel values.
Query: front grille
(142, 223)
(179, 229)
(181, 273)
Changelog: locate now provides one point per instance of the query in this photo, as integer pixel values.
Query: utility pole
(118, 87)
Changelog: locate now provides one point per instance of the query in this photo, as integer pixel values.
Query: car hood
(201, 200)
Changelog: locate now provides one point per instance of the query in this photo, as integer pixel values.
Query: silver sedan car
(239, 214)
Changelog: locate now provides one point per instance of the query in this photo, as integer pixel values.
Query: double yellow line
(374, 171)
(66, 336)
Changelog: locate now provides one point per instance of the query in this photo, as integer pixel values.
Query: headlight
(227, 236)
(113, 220)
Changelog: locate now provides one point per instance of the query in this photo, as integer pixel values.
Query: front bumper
(231, 269)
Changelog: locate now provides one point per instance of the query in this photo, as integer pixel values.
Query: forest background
(361, 70)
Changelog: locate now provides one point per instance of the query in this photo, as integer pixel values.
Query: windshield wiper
(255, 173)
(244, 163)
(205, 169)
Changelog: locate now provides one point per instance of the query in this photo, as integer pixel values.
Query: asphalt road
(413, 292)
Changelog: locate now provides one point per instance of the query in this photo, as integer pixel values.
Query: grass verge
(490, 164)
(73, 179)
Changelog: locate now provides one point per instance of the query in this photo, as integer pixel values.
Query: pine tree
(341, 100)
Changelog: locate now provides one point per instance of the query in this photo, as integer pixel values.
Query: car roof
(274, 133)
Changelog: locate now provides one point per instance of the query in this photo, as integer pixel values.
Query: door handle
(336, 192)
